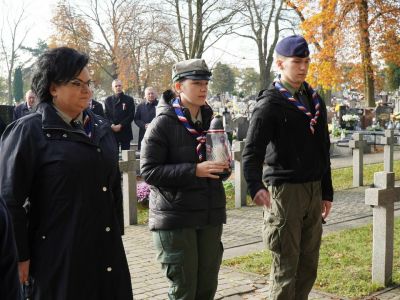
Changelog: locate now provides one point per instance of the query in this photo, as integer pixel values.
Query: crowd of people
(61, 217)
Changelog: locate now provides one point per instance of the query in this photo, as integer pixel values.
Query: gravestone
(241, 126)
(389, 140)
(357, 144)
(383, 113)
(128, 169)
(382, 197)
(240, 182)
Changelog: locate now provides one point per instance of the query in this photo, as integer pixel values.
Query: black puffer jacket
(168, 159)
(280, 133)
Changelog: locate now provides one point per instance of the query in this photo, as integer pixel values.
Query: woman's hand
(23, 270)
(210, 168)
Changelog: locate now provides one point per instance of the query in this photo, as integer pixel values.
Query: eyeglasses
(81, 84)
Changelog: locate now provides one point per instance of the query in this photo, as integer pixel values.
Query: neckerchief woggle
(315, 97)
(200, 136)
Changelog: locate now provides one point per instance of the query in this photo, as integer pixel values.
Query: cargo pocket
(272, 225)
(170, 256)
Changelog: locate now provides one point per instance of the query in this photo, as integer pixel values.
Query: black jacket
(2, 126)
(97, 108)
(20, 111)
(145, 113)
(280, 133)
(120, 109)
(178, 199)
(9, 280)
(71, 233)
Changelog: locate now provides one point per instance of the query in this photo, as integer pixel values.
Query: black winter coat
(10, 287)
(280, 133)
(2, 126)
(20, 111)
(178, 199)
(97, 108)
(145, 113)
(71, 233)
(120, 109)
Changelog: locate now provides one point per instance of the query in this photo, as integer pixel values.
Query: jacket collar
(165, 108)
(271, 95)
(52, 121)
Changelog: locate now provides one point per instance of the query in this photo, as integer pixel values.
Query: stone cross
(128, 169)
(389, 140)
(240, 182)
(357, 144)
(382, 197)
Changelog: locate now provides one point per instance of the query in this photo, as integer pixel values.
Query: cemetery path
(242, 236)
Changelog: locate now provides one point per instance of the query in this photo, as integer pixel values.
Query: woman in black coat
(59, 177)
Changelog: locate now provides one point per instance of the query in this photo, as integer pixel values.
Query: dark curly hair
(58, 65)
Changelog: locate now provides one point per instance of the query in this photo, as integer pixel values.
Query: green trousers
(292, 230)
(190, 258)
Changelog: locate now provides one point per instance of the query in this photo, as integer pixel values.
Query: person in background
(288, 130)
(96, 107)
(120, 111)
(60, 179)
(26, 107)
(187, 199)
(146, 112)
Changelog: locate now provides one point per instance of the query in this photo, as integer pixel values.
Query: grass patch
(143, 214)
(344, 264)
(230, 195)
(343, 178)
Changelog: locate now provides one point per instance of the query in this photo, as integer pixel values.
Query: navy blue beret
(294, 45)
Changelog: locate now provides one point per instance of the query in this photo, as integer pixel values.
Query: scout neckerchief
(200, 136)
(87, 124)
(316, 101)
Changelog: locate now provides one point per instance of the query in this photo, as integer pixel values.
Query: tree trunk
(365, 47)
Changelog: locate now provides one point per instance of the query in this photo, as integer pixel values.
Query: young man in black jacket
(288, 130)
(187, 199)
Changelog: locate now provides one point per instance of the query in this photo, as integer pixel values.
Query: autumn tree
(200, 24)
(350, 31)
(70, 29)
(125, 39)
(150, 60)
(12, 36)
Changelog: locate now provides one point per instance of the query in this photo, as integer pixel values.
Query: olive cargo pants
(190, 258)
(292, 230)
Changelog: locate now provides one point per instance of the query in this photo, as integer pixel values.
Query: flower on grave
(350, 118)
(142, 192)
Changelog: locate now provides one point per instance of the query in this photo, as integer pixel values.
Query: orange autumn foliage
(335, 29)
